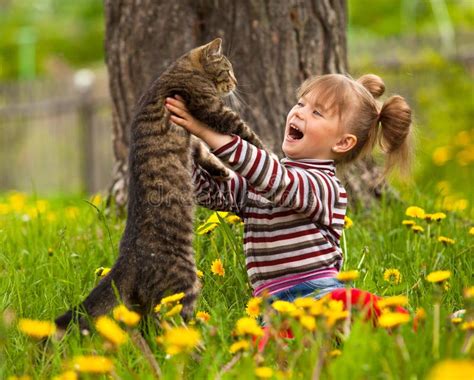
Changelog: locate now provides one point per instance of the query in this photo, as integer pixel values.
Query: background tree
(273, 45)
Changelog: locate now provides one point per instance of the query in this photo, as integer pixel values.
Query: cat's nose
(232, 76)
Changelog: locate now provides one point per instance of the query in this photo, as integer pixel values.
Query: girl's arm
(308, 192)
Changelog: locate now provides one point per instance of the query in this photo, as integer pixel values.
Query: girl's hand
(181, 116)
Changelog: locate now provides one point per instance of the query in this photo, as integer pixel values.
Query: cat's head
(215, 66)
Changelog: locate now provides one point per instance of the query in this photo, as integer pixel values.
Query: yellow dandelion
(283, 307)
(36, 329)
(253, 307)
(71, 212)
(240, 345)
(248, 326)
(393, 276)
(389, 320)
(92, 364)
(471, 231)
(203, 316)
(445, 240)
(217, 216)
(217, 268)
(263, 372)
(408, 223)
(180, 339)
(17, 201)
(305, 302)
(176, 309)
(335, 312)
(51, 217)
(308, 322)
(122, 314)
(102, 272)
(460, 204)
(452, 369)
(173, 298)
(420, 314)
(469, 292)
(441, 155)
(41, 205)
(297, 313)
(456, 320)
(392, 301)
(438, 276)
(233, 219)
(349, 275)
(22, 377)
(96, 200)
(417, 229)
(348, 223)
(206, 228)
(335, 353)
(469, 325)
(438, 216)
(415, 212)
(110, 330)
(200, 273)
(318, 307)
(67, 375)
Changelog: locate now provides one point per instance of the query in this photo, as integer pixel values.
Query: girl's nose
(299, 113)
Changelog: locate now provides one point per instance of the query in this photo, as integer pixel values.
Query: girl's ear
(345, 143)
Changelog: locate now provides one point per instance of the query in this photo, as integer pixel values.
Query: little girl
(293, 210)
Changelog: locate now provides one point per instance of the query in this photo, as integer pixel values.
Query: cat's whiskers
(240, 98)
(233, 101)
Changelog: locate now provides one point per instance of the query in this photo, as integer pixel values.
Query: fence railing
(55, 135)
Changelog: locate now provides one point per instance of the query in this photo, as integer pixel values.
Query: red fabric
(360, 300)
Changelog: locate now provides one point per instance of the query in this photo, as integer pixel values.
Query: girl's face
(311, 131)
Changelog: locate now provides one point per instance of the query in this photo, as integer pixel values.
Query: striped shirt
(293, 213)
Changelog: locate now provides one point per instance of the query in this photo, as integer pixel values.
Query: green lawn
(51, 248)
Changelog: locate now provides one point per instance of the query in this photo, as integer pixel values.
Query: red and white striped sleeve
(219, 195)
(309, 192)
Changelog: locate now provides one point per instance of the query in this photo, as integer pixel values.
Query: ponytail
(387, 125)
(395, 130)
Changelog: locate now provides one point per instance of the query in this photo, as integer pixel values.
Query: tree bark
(273, 44)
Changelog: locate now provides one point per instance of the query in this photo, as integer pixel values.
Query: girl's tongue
(295, 133)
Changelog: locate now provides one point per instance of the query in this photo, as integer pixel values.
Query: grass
(50, 249)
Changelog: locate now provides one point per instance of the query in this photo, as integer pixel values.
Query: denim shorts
(312, 288)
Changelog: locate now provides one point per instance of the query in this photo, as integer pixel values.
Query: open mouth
(295, 133)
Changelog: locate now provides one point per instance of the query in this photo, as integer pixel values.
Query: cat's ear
(214, 47)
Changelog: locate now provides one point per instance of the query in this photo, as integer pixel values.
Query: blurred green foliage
(440, 90)
(388, 18)
(71, 31)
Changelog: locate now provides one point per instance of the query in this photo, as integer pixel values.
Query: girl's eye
(317, 113)
(299, 104)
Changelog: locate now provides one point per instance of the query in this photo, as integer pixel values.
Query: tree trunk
(273, 45)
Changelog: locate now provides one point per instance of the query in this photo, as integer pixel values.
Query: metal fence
(55, 135)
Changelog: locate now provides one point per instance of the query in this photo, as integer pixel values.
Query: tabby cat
(156, 256)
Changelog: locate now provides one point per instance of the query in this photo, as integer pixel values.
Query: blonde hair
(387, 124)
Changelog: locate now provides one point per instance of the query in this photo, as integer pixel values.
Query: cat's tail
(99, 302)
